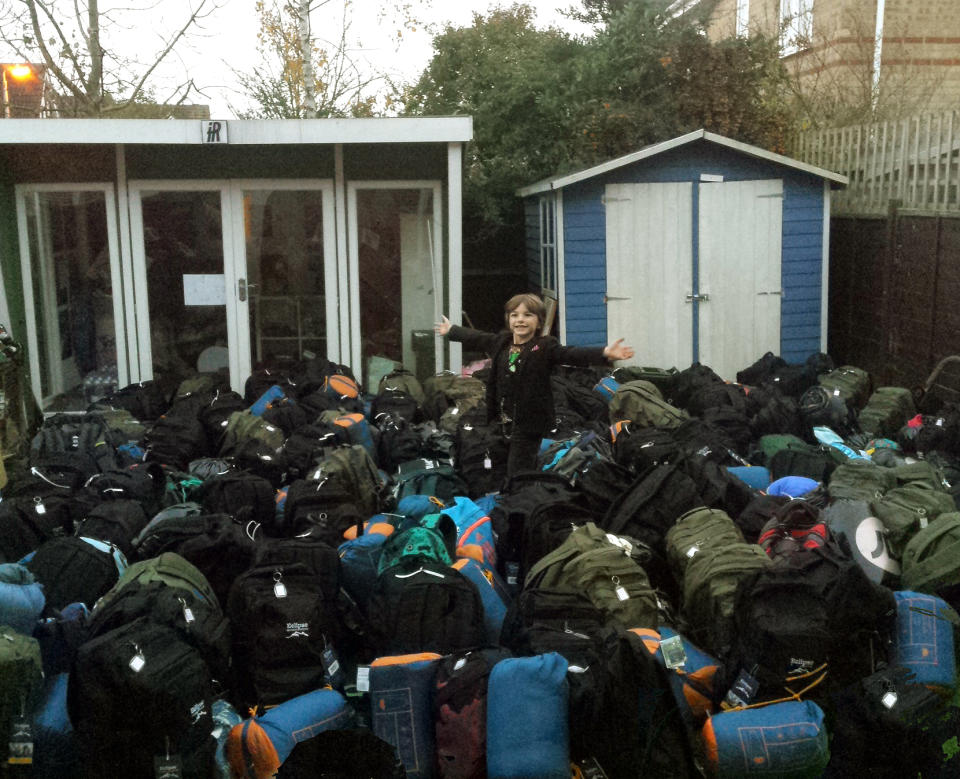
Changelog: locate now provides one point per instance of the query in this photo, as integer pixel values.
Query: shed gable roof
(559, 182)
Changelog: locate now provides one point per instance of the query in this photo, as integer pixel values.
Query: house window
(796, 24)
(743, 18)
(548, 244)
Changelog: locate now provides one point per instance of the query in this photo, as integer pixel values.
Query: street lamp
(16, 72)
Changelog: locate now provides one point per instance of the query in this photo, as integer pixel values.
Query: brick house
(900, 57)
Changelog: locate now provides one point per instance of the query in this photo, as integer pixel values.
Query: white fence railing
(915, 161)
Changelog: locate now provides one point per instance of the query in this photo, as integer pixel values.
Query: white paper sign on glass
(204, 289)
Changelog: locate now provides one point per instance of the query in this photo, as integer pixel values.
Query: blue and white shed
(700, 248)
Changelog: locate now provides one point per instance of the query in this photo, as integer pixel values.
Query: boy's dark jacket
(533, 413)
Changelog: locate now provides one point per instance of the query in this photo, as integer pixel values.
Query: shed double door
(694, 274)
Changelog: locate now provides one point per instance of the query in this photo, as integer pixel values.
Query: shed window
(743, 18)
(796, 25)
(548, 244)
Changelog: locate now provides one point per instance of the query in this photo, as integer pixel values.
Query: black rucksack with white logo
(139, 693)
(285, 633)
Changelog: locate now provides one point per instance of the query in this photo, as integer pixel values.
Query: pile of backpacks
(702, 578)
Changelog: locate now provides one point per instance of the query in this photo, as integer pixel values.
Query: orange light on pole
(20, 72)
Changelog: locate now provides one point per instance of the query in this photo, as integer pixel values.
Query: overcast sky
(231, 39)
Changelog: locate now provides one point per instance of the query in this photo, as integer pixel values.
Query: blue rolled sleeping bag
(21, 598)
(527, 720)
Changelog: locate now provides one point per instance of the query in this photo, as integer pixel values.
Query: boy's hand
(442, 327)
(617, 351)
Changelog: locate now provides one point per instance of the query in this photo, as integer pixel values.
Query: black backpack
(399, 442)
(480, 455)
(283, 620)
(321, 507)
(146, 400)
(241, 494)
(117, 522)
(145, 483)
(812, 611)
(691, 380)
(520, 496)
(764, 368)
(175, 440)
(76, 570)
(653, 502)
(423, 606)
(639, 448)
(217, 544)
(140, 692)
(26, 522)
(396, 403)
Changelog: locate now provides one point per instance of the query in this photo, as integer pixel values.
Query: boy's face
(523, 323)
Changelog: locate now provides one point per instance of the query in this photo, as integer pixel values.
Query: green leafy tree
(514, 80)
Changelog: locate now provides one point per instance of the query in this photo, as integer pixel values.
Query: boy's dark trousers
(524, 448)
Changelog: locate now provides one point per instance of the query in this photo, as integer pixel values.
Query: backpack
(908, 509)
(167, 692)
(21, 683)
(351, 471)
(175, 440)
(709, 588)
(480, 455)
(320, 507)
(651, 505)
(860, 480)
(695, 530)
(605, 568)
(25, 523)
(640, 447)
(398, 442)
(76, 569)
(243, 426)
(641, 403)
(822, 407)
(931, 559)
(887, 410)
(429, 477)
(240, 494)
(285, 626)
(85, 437)
(402, 380)
(691, 380)
(146, 400)
(520, 497)
(422, 606)
(809, 612)
(305, 447)
(852, 383)
(117, 522)
(762, 369)
(797, 526)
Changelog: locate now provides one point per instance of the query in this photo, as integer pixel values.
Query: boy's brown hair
(533, 304)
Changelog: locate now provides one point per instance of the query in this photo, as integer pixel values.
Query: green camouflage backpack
(641, 403)
(904, 511)
(699, 529)
(243, 426)
(932, 557)
(605, 568)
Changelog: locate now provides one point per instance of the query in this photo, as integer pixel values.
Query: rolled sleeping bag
(527, 718)
(257, 747)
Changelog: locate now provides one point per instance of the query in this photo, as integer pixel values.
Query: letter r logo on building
(213, 131)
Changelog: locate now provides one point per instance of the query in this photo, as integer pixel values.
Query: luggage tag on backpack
(332, 672)
(187, 612)
(742, 691)
(363, 678)
(138, 661)
(674, 655)
(279, 588)
(20, 750)
(38, 506)
(619, 589)
(487, 462)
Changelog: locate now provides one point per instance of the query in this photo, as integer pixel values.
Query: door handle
(702, 298)
(243, 289)
(608, 298)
